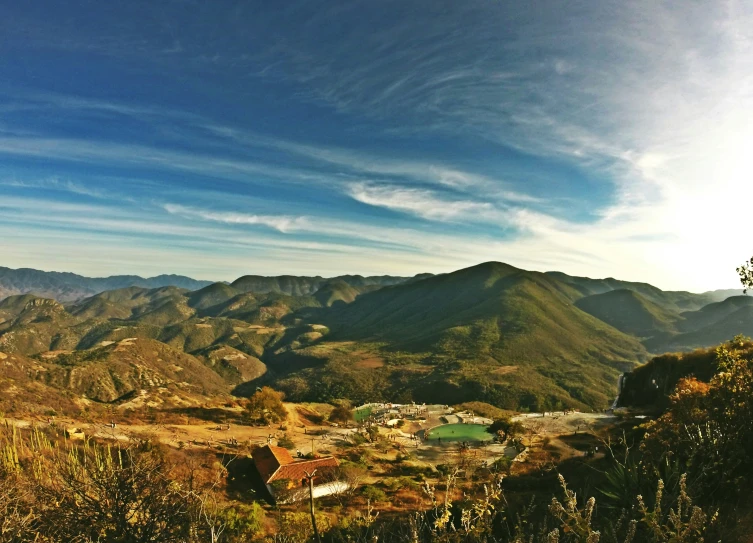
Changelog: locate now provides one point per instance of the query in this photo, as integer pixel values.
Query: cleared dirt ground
(567, 435)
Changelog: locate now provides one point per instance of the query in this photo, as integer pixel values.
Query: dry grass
(369, 363)
(505, 370)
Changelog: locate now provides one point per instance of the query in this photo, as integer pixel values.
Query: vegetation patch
(483, 409)
(362, 413)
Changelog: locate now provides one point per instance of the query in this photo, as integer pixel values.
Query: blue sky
(216, 139)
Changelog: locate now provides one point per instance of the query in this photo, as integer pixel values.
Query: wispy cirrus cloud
(63, 185)
(417, 171)
(281, 223)
(315, 162)
(335, 230)
(422, 203)
(135, 155)
(355, 163)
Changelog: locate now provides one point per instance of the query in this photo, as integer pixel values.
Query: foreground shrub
(486, 519)
(86, 492)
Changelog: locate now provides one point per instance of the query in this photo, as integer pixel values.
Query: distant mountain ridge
(630, 312)
(69, 287)
(669, 299)
(294, 285)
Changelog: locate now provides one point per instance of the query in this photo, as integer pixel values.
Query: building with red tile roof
(276, 465)
(269, 459)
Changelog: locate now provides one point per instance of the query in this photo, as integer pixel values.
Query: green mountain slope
(265, 309)
(125, 303)
(630, 312)
(284, 284)
(713, 313)
(739, 322)
(491, 333)
(165, 313)
(292, 285)
(670, 300)
(22, 388)
(13, 305)
(211, 295)
(338, 291)
(722, 294)
(234, 366)
(470, 303)
(197, 334)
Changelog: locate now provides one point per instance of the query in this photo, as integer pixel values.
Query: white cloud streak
(422, 203)
(64, 185)
(359, 163)
(281, 223)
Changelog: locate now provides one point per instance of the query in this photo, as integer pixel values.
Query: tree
(342, 414)
(243, 522)
(266, 406)
(119, 495)
(708, 428)
(746, 275)
(506, 427)
(373, 433)
(286, 442)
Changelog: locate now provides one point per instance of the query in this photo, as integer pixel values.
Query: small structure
(286, 477)
(74, 433)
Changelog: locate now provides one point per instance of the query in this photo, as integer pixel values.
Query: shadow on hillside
(582, 442)
(585, 476)
(247, 389)
(281, 366)
(243, 481)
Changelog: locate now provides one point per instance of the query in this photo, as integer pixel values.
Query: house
(286, 479)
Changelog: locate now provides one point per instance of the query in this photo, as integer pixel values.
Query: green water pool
(459, 432)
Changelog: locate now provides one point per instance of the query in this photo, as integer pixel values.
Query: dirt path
(200, 435)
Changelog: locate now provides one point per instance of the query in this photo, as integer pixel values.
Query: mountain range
(68, 287)
(513, 338)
